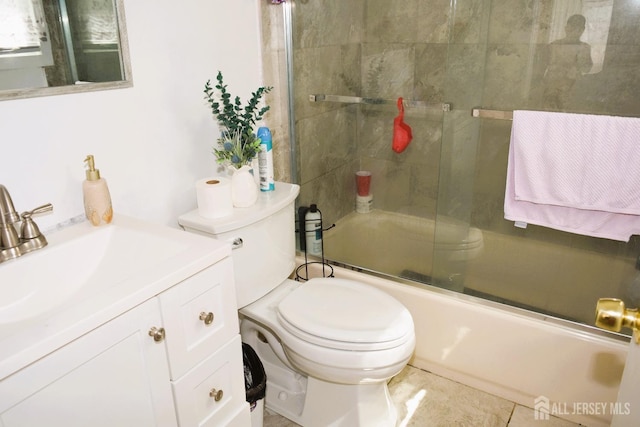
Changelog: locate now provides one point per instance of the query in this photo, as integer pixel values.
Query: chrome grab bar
(378, 101)
(498, 114)
(492, 114)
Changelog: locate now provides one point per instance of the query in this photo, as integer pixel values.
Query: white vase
(244, 190)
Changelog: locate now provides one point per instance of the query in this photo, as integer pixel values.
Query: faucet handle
(40, 209)
(32, 238)
(29, 229)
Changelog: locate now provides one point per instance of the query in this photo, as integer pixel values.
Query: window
(24, 36)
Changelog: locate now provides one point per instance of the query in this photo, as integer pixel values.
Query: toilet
(329, 346)
(456, 240)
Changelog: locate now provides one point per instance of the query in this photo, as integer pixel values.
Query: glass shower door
(438, 206)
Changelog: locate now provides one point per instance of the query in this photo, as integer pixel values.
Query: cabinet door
(116, 375)
(200, 315)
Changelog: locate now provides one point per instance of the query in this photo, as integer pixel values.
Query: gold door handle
(216, 394)
(157, 334)
(612, 315)
(207, 318)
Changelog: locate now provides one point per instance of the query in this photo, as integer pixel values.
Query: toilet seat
(344, 331)
(345, 315)
(329, 359)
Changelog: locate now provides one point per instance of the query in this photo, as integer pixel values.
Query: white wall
(151, 142)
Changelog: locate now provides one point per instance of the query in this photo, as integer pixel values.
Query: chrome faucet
(30, 238)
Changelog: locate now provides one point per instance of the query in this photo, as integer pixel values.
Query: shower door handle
(612, 315)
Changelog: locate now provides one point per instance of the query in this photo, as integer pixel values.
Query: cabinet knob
(207, 318)
(157, 334)
(216, 394)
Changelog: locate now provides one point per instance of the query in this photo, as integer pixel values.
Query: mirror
(51, 47)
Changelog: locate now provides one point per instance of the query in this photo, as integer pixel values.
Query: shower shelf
(378, 101)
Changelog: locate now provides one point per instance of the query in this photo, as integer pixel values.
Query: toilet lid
(345, 311)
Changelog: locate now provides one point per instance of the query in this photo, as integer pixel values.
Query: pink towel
(575, 172)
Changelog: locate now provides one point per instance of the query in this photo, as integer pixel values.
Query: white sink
(87, 276)
(81, 261)
(83, 258)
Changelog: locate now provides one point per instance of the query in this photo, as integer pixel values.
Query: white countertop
(26, 341)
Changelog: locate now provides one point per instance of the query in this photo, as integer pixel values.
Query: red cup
(363, 182)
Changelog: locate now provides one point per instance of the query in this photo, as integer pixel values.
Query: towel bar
(492, 114)
(378, 101)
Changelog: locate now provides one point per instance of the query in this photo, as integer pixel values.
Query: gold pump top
(93, 174)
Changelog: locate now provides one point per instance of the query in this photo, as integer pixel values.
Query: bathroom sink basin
(83, 261)
(87, 276)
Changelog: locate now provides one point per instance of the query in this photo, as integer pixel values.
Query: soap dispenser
(97, 200)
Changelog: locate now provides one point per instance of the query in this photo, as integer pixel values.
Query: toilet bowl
(329, 346)
(339, 342)
(337, 330)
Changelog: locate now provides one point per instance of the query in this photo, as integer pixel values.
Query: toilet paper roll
(214, 197)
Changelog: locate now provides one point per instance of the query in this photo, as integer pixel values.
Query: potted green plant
(238, 144)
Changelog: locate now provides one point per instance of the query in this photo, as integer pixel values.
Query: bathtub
(506, 351)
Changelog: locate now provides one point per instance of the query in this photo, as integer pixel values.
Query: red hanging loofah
(401, 131)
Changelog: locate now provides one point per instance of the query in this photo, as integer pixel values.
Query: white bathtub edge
(510, 355)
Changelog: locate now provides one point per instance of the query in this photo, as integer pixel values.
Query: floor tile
(524, 417)
(274, 420)
(426, 400)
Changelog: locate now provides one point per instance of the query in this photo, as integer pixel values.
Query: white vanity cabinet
(173, 360)
(205, 351)
(114, 376)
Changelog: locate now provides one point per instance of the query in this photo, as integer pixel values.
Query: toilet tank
(262, 238)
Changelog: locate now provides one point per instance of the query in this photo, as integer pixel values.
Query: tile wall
(482, 53)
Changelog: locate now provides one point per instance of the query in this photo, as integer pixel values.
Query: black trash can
(255, 384)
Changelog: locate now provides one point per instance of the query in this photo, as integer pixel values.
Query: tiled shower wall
(380, 49)
(514, 79)
(481, 53)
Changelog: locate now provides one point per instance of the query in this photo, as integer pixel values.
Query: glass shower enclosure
(461, 67)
